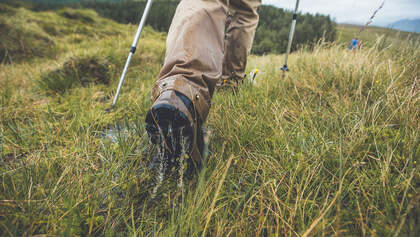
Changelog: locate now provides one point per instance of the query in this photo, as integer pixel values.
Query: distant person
(359, 44)
(354, 44)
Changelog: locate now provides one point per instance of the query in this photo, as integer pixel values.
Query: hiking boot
(174, 126)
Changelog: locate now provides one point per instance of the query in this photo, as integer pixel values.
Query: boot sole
(170, 129)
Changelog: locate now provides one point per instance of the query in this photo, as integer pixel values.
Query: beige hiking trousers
(208, 40)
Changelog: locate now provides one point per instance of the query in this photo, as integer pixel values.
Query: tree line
(271, 35)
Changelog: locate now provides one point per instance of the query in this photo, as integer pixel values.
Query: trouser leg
(194, 52)
(240, 30)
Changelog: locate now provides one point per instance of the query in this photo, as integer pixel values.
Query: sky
(356, 11)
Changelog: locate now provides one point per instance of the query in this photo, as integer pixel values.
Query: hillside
(407, 25)
(372, 34)
(331, 148)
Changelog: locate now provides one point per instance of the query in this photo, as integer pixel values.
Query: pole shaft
(289, 44)
(291, 33)
(133, 49)
(127, 64)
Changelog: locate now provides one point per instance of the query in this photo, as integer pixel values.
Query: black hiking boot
(173, 125)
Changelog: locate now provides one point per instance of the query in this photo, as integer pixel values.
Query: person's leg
(192, 67)
(240, 31)
(194, 52)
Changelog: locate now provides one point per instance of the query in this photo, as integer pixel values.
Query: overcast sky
(356, 11)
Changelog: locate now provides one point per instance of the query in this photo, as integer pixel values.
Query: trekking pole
(132, 49)
(291, 34)
(370, 19)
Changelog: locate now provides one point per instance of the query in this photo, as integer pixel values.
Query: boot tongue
(189, 105)
(195, 153)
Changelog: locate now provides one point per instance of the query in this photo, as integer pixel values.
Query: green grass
(330, 149)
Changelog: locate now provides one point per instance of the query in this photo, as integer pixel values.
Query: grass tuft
(76, 72)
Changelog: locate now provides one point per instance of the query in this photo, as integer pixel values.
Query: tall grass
(331, 148)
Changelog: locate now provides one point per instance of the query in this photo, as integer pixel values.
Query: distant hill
(345, 32)
(407, 25)
(271, 35)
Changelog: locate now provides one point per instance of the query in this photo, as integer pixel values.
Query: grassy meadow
(330, 148)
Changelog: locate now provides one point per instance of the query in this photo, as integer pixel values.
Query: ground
(329, 148)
